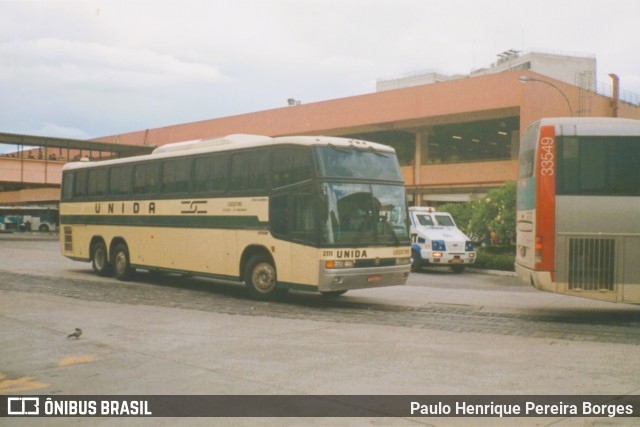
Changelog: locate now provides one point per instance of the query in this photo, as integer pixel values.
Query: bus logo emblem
(193, 207)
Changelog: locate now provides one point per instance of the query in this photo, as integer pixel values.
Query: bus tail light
(538, 249)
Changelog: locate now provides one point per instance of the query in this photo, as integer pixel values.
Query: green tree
(461, 213)
(495, 212)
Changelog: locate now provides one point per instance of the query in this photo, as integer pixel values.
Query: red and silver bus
(578, 217)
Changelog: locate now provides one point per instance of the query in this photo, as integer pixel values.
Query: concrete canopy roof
(123, 150)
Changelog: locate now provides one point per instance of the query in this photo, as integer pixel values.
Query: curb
(26, 236)
(493, 272)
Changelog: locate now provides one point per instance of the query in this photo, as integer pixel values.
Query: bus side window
(175, 176)
(218, 173)
(304, 225)
(279, 214)
(68, 179)
(249, 170)
(290, 165)
(146, 178)
(80, 184)
(97, 185)
(210, 174)
(120, 180)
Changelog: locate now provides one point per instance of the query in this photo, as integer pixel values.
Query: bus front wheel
(99, 260)
(260, 278)
(121, 262)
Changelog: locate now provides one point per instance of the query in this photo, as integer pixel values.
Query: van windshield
(445, 221)
(425, 220)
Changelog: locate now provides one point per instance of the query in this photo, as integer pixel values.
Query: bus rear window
(599, 166)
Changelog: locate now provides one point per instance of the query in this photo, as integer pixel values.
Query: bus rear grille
(68, 240)
(592, 264)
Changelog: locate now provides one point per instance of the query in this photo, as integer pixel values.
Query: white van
(436, 241)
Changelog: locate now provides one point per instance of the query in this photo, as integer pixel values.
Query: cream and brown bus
(320, 214)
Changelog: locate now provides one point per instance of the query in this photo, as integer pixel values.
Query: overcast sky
(85, 69)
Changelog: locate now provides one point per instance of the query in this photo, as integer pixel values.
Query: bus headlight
(339, 264)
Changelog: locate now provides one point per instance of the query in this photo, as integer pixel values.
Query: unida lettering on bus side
(126, 208)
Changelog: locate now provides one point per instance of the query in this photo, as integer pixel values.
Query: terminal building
(457, 136)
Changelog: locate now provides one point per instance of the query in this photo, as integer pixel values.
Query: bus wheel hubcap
(99, 259)
(263, 277)
(121, 261)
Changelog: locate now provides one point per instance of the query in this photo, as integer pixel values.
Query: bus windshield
(348, 162)
(365, 214)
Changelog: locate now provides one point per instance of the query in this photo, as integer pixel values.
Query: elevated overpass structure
(30, 166)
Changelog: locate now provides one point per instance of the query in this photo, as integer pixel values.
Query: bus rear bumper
(538, 279)
(341, 279)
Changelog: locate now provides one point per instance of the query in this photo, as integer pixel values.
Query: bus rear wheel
(99, 260)
(121, 262)
(261, 280)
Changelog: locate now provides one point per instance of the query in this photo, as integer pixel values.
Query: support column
(515, 144)
(417, 158)
(417, 162)
(421, 152)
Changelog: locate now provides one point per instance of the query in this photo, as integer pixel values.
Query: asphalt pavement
(442, 334)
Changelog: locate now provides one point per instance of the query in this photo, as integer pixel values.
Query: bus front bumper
(447, 258)
(342, 279)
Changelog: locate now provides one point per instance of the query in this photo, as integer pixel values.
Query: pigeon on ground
(75, 334)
